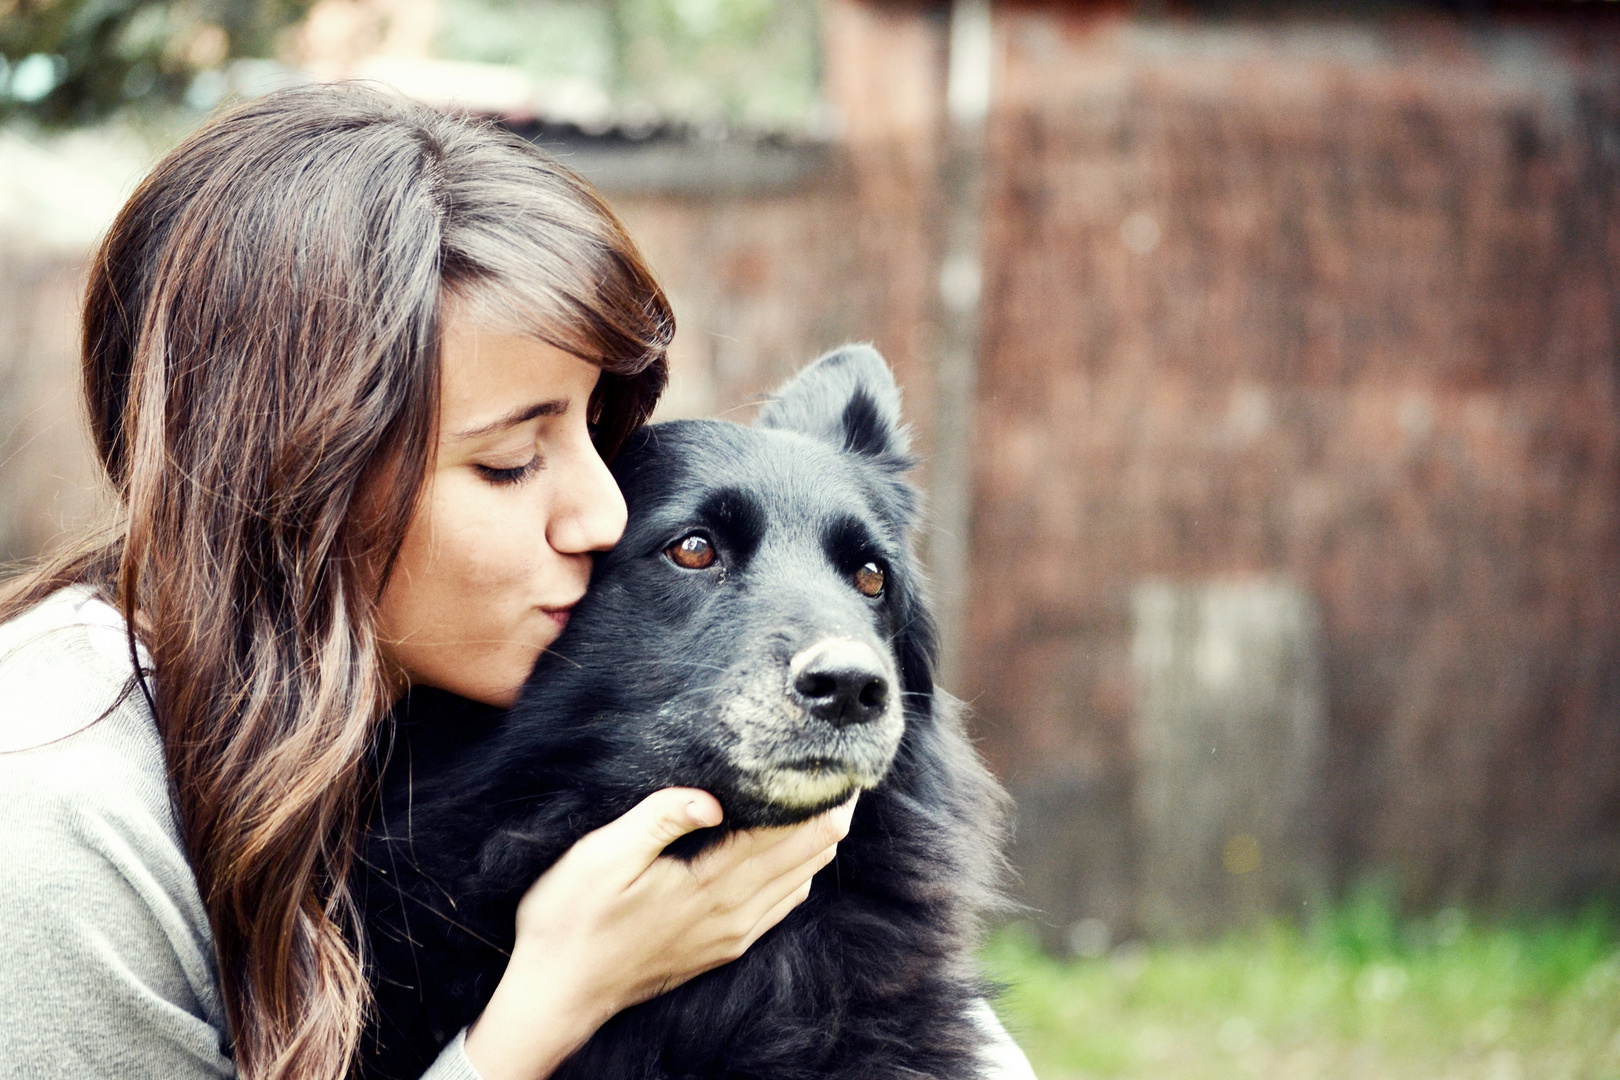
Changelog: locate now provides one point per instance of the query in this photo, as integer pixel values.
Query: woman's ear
(847, 398)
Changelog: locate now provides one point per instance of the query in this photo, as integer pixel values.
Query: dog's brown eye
(869, 579)
(691, 552)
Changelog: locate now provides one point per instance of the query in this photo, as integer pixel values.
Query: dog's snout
(841, 682)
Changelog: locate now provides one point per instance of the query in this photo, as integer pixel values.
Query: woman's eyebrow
(555, 407)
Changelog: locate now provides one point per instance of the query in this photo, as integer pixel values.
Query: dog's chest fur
(773, 676)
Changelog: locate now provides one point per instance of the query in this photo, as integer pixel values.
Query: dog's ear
(847, 398)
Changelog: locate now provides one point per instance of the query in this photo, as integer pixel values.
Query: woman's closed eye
(514, 475)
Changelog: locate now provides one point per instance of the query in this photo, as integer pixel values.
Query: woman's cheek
(507, 535)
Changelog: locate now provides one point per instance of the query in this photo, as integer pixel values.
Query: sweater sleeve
(101, 971)
(107, 965)
(452, 1063)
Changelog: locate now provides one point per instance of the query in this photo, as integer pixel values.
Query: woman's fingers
(763, 855)
(642, 833)
(612, 923)
(767, 907)
(763, 906)
(776, 914)
(783, 890)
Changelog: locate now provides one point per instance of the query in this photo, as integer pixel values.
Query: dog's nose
(841, 682)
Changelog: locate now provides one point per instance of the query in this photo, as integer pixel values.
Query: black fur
(872, 976)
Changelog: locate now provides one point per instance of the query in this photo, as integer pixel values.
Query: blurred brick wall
(764, 282)
(1337, 302)
(738, 271)
(1331, 302)
(1334, 301)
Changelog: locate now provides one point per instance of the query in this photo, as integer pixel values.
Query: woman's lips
(559, 614)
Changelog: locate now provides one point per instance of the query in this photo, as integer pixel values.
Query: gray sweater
(107, 965)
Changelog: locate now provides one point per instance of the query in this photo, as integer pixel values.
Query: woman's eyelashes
(514, 475)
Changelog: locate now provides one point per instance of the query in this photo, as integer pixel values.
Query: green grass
(1360, 996)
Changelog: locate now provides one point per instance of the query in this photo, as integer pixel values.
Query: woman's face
(516, 501)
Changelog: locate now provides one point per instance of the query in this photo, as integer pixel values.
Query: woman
(349, 364)
(352, 368)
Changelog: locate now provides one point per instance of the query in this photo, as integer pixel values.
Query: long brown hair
(261, 368)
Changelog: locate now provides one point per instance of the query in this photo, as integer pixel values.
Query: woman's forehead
(491, 379)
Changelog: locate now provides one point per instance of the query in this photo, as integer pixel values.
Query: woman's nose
(589, 512)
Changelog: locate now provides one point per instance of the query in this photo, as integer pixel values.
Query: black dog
(759, 633)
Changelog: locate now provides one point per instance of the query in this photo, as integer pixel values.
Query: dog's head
(761, 616)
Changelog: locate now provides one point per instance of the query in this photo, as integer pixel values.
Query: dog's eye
(869, 579)
(691, 552)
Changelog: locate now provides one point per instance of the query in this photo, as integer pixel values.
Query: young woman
(352, 367)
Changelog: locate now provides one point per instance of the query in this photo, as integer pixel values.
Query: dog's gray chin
(810, 787)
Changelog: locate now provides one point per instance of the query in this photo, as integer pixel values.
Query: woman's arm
(612, 924)
(106, 961)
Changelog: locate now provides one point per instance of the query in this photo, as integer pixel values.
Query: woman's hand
(613, 924)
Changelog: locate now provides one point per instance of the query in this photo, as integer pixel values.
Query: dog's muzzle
(831, 727)
(841, 682)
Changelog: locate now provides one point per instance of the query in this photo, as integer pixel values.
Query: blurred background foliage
(1358, 993)
(75, 61)
(752, 62)
(740, 62)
